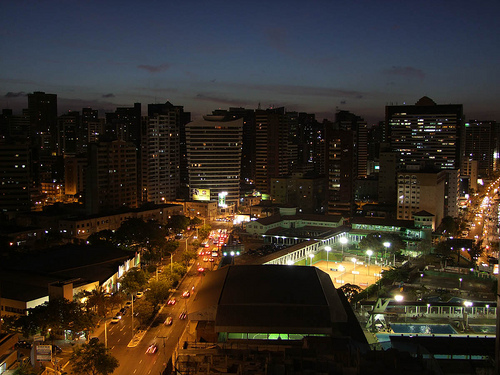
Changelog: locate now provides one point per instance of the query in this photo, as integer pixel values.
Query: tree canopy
(133, 281)
(93, 359)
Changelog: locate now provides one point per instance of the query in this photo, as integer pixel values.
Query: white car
(115, 319)
(139, 294)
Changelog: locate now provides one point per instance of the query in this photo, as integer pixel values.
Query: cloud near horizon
(11, 94)
(154, 68)
(110, 95)
(405, 71)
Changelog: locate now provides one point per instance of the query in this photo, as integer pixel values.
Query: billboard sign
(44, 353)
(200, 194)
(222, 199)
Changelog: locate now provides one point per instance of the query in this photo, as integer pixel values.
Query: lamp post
(354, 270)
(327, 249)
(460, 283)
(343, 241)
(311, 256)
(369, 253)
(387, 245)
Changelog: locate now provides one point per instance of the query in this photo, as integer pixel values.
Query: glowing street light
(460, 283)
(311, 256)
(387, 245)
(343, 241)
(398, 298)
(327, 249)
(369, 253)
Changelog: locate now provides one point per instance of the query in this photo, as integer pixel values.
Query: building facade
(214, 157)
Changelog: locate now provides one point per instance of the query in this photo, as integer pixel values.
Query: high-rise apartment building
(341, 162)
(15, 183)
(91, 128)
(419, 191)
(214, 157)
(125, 124)
(429, 137)
(479, 145)
(68, 133)
(42, 109)
(271, 147)
(161, 155)
(426, 135)
(111, 178)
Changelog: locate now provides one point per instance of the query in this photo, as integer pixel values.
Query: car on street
(123, 310)
(183, 315)
(115, 319)
(171, 301)
(56, 349)
(152, 349)
(128, 304)
(139, 294)
(169, 321)
(186, 294)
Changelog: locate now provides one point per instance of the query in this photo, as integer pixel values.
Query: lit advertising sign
(201, 194)
(495, 269)
(44, 353)
(222, 199)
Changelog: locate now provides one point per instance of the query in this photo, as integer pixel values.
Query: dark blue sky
(314, 56)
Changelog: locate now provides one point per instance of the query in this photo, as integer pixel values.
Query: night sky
(312, 56)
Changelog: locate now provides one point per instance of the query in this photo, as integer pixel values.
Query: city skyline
(315, 57)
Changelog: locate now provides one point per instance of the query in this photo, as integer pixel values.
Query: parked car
(139, 294)
(115, 319)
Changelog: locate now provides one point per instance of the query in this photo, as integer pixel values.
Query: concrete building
(214, 158)
(111, 178)
(15, 172)
(160, 172)
(271, 147)
(309, 194)
(419, 191)
(426, 135)
(479, 145)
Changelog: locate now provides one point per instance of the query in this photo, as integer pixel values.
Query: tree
(396, 274)
(188, 255)
(350, 291)
(93, 359)
(158, 290)
(133, 281)
(102, 237)
(178, 223)
(144, 310)
(25, 368)
(448, 226)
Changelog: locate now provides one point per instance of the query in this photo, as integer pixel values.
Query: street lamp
(398, 298)
(343, 241)
(311, 256)
(354, 270)
(369, 253)
(460, 283)
(327, 249)
(387, 245)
